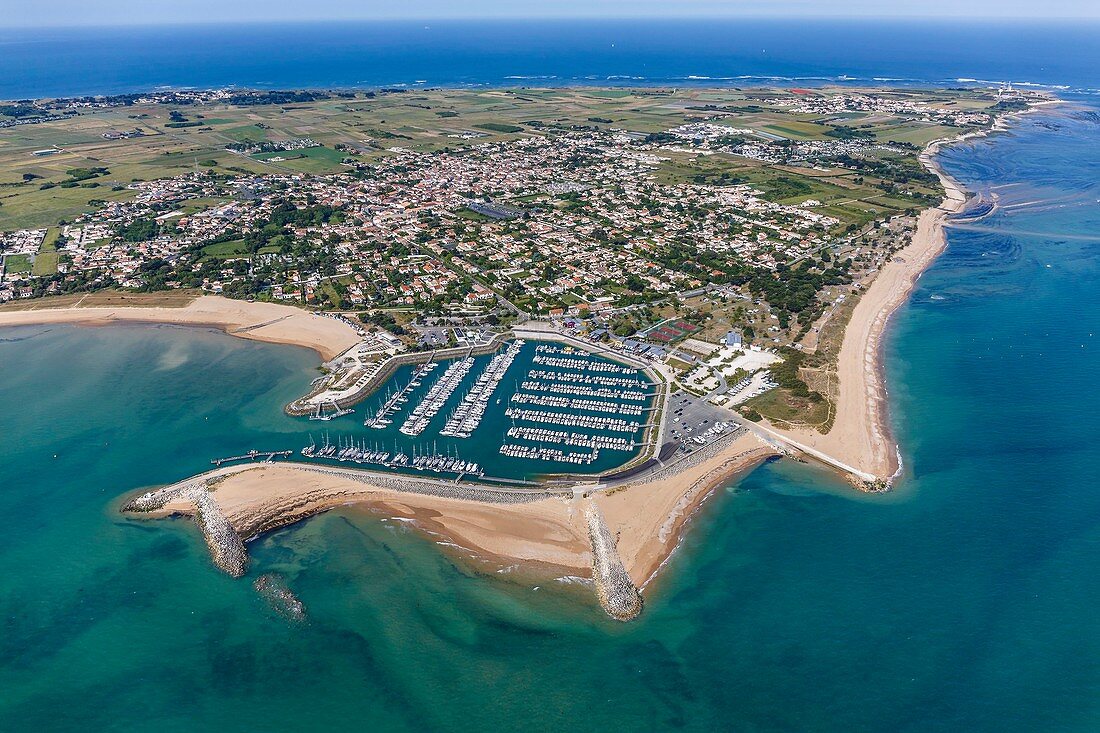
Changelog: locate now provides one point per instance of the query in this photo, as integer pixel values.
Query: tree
(139, 230)
(634, 282)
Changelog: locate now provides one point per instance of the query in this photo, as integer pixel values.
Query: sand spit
(279, 324)
(544, 530)
(518, 524)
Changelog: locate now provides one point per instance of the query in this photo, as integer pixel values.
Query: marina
(468, 415)
(584, 365)
(381, 418)
(616, 425)
(532, 408)
(437, 396)
(579, 391)
(576, 404)
(354, 450)
(577, 440)
(584, 379)
(541, 453)
(329, 411)
(638, 183)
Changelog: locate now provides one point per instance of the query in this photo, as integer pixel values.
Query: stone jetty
(154, 500)
(226, 533)
(617, 593)
(225, 545)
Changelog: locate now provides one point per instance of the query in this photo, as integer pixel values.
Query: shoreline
(633, 528)
(644, 521)
(660, 511)
(267, 322)
(861, 442)
(546, 532)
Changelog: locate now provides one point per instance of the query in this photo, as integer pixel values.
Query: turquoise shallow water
(964, 601)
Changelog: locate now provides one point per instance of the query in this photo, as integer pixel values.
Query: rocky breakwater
(228, 516)
(225, 545)
(273, 589)
(617, 593)
(154, 501)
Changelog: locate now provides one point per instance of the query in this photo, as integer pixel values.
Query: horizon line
(946, 19)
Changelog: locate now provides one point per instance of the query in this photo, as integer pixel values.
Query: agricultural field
(365, 127)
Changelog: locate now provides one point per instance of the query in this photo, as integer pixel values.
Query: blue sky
(112, 12)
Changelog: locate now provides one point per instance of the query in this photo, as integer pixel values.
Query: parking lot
(691, 419)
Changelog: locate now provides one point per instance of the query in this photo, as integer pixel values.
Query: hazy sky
(111, 12)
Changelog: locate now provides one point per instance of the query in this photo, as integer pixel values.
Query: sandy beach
(860, 442)
(646, 518)
(280, 324)
(643, 520)
(650, 517)
(860, 439)
(261, 498)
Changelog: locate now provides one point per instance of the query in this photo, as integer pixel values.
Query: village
(575, 222)
(731, 239)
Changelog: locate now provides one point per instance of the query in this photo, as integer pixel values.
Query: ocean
(79, 61)
(964, 600)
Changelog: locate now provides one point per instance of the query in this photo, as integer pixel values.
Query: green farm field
(369, 125)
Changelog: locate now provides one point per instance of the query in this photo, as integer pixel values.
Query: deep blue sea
(44, 62)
